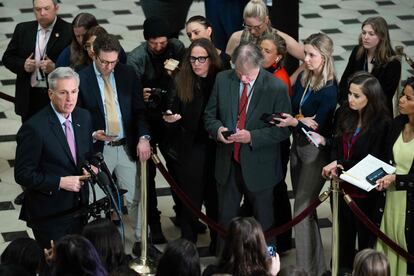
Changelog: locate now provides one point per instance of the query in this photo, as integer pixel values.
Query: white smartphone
(310, 137)
(171, 64)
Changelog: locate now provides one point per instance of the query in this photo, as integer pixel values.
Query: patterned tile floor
(340, 19)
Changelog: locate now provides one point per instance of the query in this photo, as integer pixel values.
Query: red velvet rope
(6, 97)
(377, 232)
(217, 227)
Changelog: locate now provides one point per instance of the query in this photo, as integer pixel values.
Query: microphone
(98, 161)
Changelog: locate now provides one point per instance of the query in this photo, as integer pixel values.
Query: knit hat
(155, 27)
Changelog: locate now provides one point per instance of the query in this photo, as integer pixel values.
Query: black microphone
(98, 161)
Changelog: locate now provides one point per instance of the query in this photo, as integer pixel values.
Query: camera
(155, 98)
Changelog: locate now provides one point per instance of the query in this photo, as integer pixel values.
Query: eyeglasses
(199, 59)
(256, 28)
(106, 63)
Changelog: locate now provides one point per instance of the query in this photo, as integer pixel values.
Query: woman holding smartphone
(399, 200)
(187, 136)
(361, 126)
(313, 104)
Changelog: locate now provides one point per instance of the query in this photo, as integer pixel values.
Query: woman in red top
(274, 52)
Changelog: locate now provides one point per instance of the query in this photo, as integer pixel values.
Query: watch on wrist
(145, 137)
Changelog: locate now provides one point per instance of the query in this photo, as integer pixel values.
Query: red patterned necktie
(241, 122)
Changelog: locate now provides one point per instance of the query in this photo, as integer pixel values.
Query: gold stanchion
(143, 265)
(335, 226)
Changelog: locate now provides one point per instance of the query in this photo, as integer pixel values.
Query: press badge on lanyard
(305, 96)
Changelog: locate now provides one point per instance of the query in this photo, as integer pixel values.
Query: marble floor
(340, 19)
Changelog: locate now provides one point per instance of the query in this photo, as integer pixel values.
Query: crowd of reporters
(182, 110)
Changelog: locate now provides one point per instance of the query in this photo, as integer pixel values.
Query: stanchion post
(335, 226)
(143, 267)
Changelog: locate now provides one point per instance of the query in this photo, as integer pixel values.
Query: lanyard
(42, 54)
(305, 96)
(351, 141)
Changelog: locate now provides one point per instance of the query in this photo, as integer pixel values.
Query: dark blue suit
(42, 158)
(130, 99)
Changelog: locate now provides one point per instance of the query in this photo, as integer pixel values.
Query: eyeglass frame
(193, 59)
(256, 28)
(107, 63)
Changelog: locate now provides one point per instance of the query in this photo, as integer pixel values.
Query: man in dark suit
(112, 93)
(32, 53)
(50, 148)
(248, 161)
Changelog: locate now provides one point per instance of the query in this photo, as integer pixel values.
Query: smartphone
(227, 133)
(310, 137)
(171, 64)
(271, 250)
(268, 118)
(166, 114)
(374, 176)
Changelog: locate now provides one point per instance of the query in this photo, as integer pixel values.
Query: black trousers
(351, 230)
(195, 173)
(229, 198)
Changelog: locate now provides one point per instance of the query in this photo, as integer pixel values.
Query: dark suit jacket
(22, 44)
(260, 161)
(388, 75)
(130, 99)
(43, 157)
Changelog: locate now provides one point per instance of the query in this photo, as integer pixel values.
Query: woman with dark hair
(88, 40)
(180, 258)
(187, 136)
(274, 52)
(313, 104)
(199, 27)
(104, 235)
(361, 127)
(23, 252)
(75, 255)
(373, 54)
(399, 188)
(74, 54)
(245, 251)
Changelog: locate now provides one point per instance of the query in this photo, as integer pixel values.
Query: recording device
(269, 118)
(171, 64)
(310, 137)
(271, 250)
(155, 98)
(227, 133)
(375, 175)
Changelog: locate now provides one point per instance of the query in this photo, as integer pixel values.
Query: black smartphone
(271, 250)
(268, 118)
(375, 175)
(227, 133)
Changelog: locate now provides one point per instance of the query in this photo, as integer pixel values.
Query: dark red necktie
(241, 119)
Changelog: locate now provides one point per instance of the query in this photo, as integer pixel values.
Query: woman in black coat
(399, 195)
(188, 140)
(361, 127)
(373, 54)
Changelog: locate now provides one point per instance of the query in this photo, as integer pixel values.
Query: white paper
(358, 173)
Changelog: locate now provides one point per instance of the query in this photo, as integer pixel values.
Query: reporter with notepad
(399, 200)
(361, 126)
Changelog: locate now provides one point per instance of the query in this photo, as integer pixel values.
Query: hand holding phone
(227, 133)
(310, 138)
(271, 250)
(171, 64)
